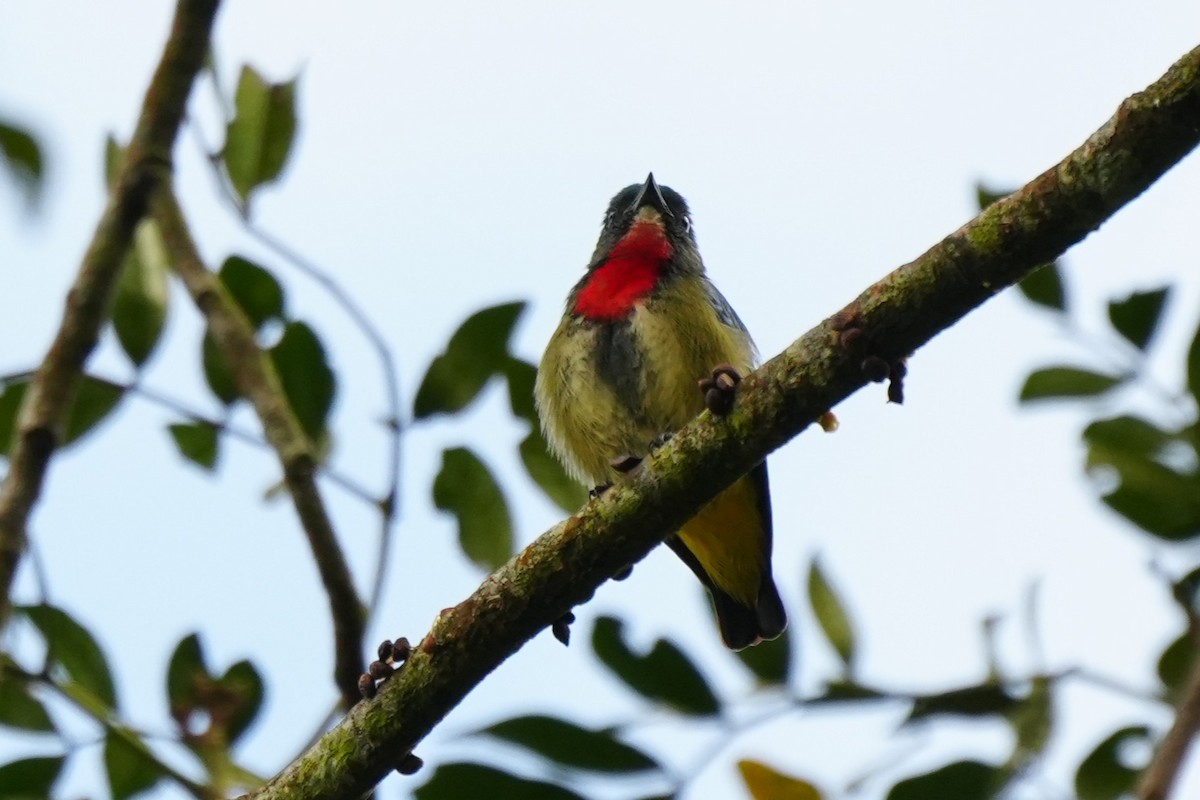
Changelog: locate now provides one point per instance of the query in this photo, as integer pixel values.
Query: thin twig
(1150, 132)
(257, 381)
(52, 391)
(1160, 775)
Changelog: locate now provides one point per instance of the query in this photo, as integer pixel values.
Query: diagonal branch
(257, 381)
(1150, 132)
(49, 397)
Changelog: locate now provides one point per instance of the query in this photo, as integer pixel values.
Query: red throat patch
(630, 272)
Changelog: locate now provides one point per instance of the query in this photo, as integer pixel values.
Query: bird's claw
(720, 388)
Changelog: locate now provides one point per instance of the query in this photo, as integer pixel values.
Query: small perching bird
(645, 343)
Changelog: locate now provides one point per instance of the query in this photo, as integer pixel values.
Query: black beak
(651, 196)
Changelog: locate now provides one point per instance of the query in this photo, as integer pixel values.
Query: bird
(643, 332)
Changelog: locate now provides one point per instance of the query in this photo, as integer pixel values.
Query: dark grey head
(632, 203)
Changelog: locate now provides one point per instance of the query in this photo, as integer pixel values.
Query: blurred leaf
(216, 371)
(1044, 286)
(1193, 367)
(10, 407)
(30, 777)
(1125, 435)
(664, 675)
(1175, 665)
(765, 783)
(477, 351)
(985, 195)
(259, 137)
(972, 701)
(569, 745)
(139, 307)
(254, 289)
(23, 155)
(465, 487)
(72, 649)
(770, 661)
(130, 770)
(1103, 775)
(114, 157)
(20, 709)
(549, 475)
(1137, 316)
(186, 674)
(1032, 721)
(308, 382)
(848, 691)
(197, 442)
(831, 614)
(459, 781)
(94, 401)
(241, 699)
(962, 780)
(228, 704)
(1056, 382)
(521, 377)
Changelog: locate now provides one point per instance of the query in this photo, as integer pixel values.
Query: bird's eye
(687, 224)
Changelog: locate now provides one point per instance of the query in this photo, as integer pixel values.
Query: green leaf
(186, 675)
(1103, 775)
(94, 401)
(962, 780)
(477, 351)
(1175, 665)
(1055, 382)
(73, 650)
(197, 442)
(664, 675)
(841, 691)
(770, 661)
(1033, 722)
(570, 745)
(131, 770)
(29, 777)
(114, 157)
(1150, 494)
(23, 155)
(985, 195)
(458, 781)
(11, 397)
(521, 377)
(216, 371)
(767, 783)
(1044, 286)
(831, 615)
(465, 487)
(259, 138)
(20, 709)
(242, 693)
(308, 382)
(140, 305)
(1193, 367)
(549, 475)
(984, 700)
(1137, 316)
(256, 291)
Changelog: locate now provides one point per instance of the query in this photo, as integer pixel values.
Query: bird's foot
(720, 388)
(561, 628)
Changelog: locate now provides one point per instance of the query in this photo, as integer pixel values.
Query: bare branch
(1149, 133)
(258, 382)
(52, 391)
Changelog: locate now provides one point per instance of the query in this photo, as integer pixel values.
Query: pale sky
(456, 155)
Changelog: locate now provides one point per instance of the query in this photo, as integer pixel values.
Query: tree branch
(1160, 775)
(52, 391)
(257, 381)
(1149, 133)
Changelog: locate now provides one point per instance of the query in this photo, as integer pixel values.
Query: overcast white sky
(455, 155)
